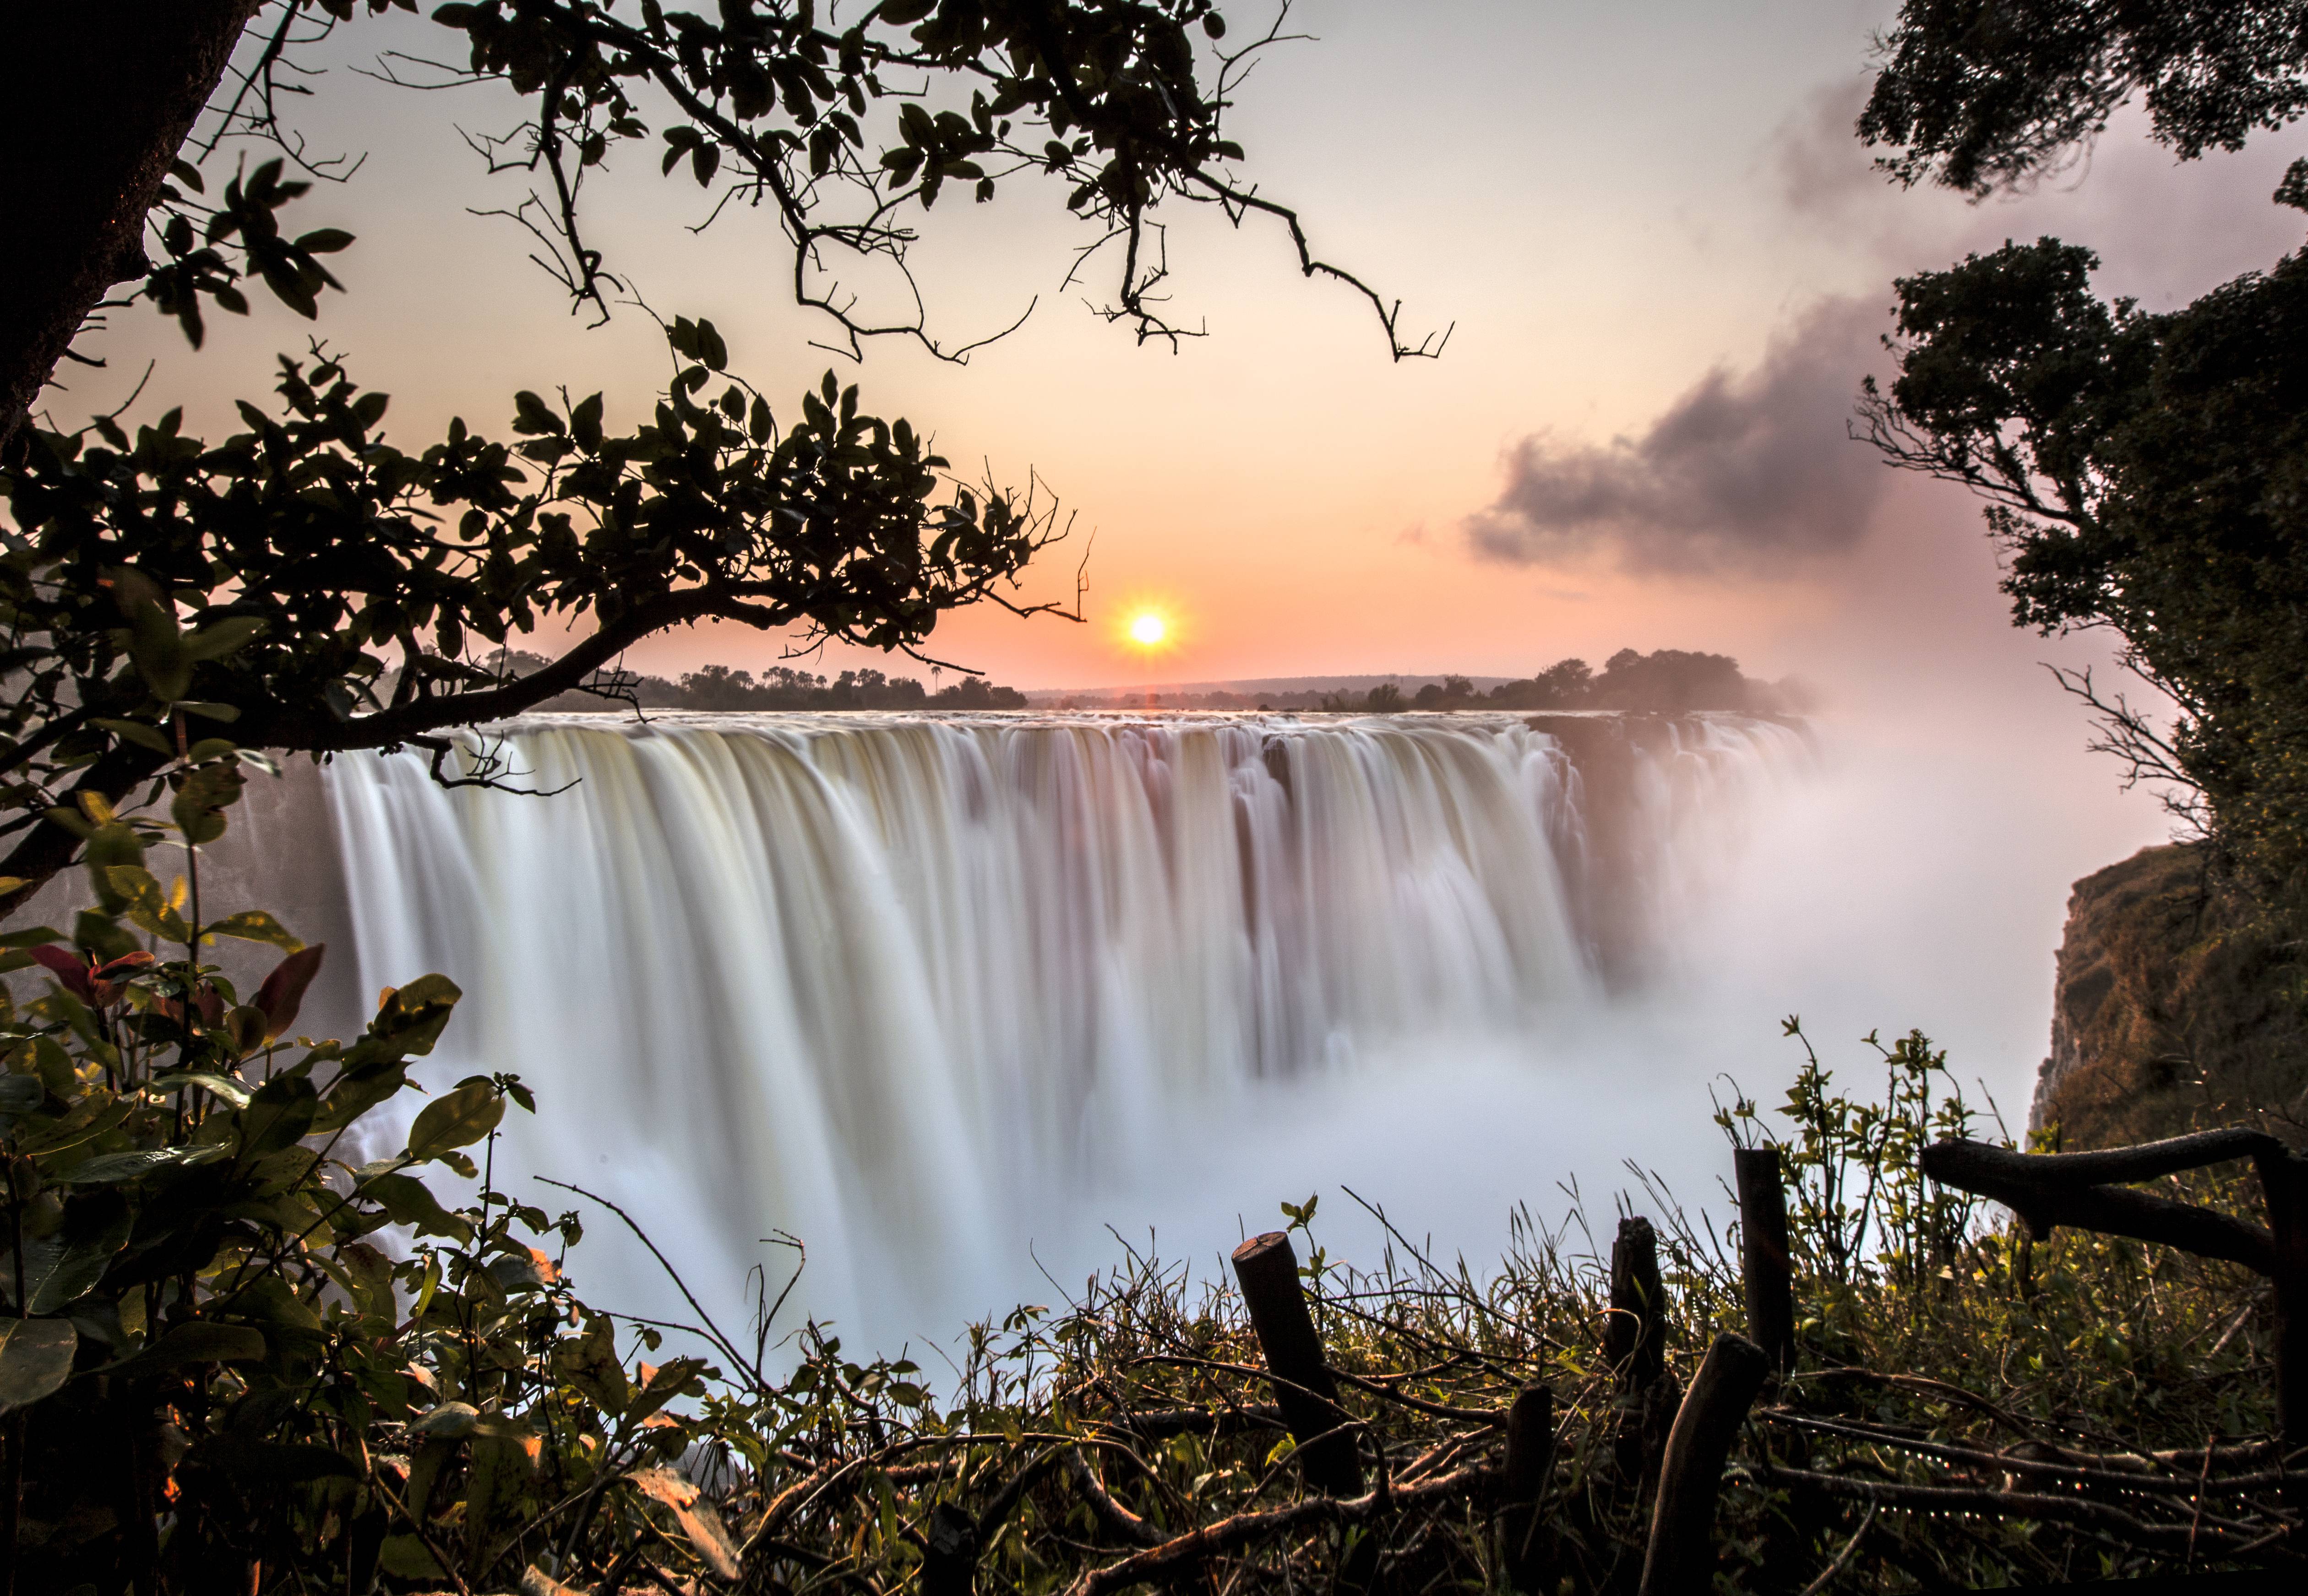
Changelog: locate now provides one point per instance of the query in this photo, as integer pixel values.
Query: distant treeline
(1671, 681)
(780, 687)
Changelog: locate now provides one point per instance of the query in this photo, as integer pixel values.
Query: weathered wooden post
(1634, 1344)
(1765, 1261)
(1634, 1337)
(1267, 1273)
(2088, 1190)
(2284, 1188)
(1522, 1480)
(1680, 1560)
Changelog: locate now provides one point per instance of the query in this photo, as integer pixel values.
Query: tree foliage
(2144, 473)
(2140, 471)
(1983, 94)
(308, 557)
(846, 132)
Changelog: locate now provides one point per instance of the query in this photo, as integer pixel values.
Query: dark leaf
(36, 1357)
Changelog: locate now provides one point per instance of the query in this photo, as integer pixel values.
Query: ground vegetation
(257, 1349)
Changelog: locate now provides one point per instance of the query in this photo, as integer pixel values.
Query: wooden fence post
(2090, 1191)
(1634, 1337)
(1522, 1480)
(2284, 1186)
(1680, 1560)
(1764, 1259)
(1634, 1344)
(1267, 1273)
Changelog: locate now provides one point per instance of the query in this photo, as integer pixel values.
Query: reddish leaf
(283, 990)
(69, 968)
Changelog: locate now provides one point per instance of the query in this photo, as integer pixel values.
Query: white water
(925, 991)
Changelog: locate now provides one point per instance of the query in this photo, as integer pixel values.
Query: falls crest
(899, 986)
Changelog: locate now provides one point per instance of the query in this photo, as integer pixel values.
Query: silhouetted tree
(2144, 475)
(2141, 471)
(1980, 94)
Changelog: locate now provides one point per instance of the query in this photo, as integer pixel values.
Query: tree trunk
(101, 94)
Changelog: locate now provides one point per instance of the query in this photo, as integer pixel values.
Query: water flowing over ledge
(899, 986)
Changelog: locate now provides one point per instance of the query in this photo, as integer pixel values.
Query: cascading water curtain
(896, 986)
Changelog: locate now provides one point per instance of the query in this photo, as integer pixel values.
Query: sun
(1147, 628)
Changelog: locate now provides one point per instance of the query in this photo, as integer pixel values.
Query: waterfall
(905, 987)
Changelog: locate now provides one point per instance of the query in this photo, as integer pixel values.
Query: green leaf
(280, 1113)
(254, 925)
(412, 1017)
(119, 1168)
(154, 642)
(36, 1357)
(21, 1094)
(406, 1557)
(452, 1421)
(216, 640)
(58, 1268)
(710, 346)
(667, 1384)
(323, 241)
(458, 1120)
(233, 1092)
(199, 805)
(142, 902)
(135, 731)
(532, 419)
(409, 1201)
(355, 1094)
(585, 422)
(202, 1341)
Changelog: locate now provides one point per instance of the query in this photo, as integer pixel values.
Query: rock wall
(2170, 1012)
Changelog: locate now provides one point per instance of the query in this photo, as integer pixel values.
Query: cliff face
(2169, 1012)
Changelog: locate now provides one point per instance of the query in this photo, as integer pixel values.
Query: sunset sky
(1665, 260)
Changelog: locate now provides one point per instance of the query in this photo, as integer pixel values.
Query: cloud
(1754, 473)
(1823, 171)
